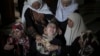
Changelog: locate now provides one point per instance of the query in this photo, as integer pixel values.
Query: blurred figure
(74, 28)
(35, 16)
(49, 45)
(18, 42)
(89, 44)
(64, 9)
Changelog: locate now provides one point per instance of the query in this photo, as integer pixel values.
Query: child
(48, 44)
(18, 41)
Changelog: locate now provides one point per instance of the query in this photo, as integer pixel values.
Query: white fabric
(43, 8)
(76, 30)
(63, 12)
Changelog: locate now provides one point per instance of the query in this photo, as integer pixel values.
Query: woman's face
(65, 2)
(70, 23)
(17, 33)
(36, 5)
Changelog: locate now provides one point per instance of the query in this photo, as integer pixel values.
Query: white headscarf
(76, 30)
(28, 4)
(63, 12)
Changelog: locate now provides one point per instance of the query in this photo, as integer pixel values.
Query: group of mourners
(42, 33)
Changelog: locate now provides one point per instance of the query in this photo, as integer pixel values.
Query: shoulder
(74, 15)
(28, 10)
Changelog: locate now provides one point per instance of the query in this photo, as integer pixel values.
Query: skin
(17, 33)
(51, 29)
(65, 3)
(36, 5)
(8, 46)
(70, 23)
(37, 16)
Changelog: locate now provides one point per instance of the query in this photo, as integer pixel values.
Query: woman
(17, 43)
(64, 9)
(74, 28)
(35, 15)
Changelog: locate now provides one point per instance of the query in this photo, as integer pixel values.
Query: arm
(31, 31)
(50, 46)
(8, 45)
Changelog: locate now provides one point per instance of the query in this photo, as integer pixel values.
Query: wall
(80, 2)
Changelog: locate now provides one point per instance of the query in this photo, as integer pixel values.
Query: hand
(80, 41)
(59, 31)
(53, 48)
(38, 38)
(8, 47)
(46, 43)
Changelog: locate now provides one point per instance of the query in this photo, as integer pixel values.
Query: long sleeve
(30, 30)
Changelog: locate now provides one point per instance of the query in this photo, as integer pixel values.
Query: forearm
(32, 32)
(53, 47)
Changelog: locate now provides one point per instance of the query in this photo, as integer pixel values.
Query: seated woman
(17, 43)
(49, 45)
(35, 15)
(74, 28)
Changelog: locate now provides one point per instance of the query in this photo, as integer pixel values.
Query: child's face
(51, 29)
(17, 33)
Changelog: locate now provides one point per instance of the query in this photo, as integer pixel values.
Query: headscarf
(18, 26)
(28, 4)
(63, 12)
(76, 30)
(23, 40)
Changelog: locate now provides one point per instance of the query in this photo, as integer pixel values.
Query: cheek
(55, 30)
(70, 24)
(19, 33)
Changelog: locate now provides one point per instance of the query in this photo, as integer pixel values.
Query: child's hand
(38, 39)
(53, 47)
(45, 42)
